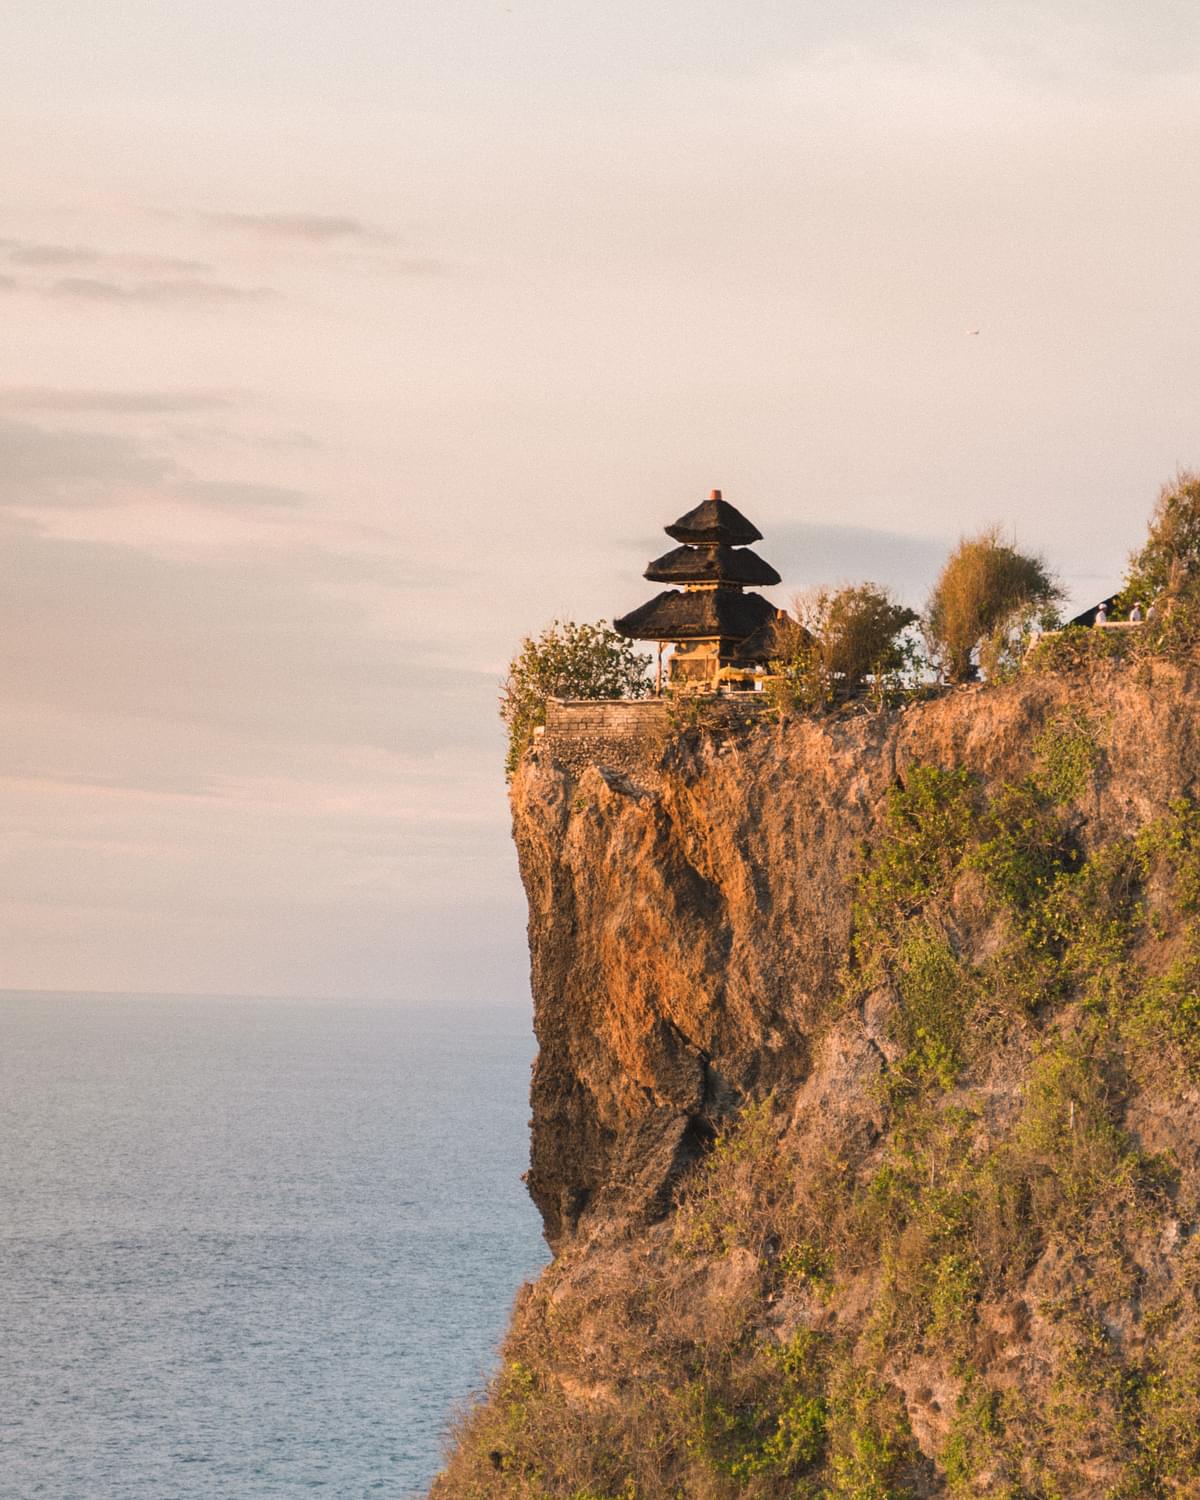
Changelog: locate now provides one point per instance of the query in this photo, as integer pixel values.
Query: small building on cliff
(718, 627)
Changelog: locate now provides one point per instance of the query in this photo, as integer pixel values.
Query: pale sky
(343, 344)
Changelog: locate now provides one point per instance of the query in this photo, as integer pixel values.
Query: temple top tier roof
(714, 521)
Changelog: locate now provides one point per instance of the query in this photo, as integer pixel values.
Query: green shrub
(1067, 752)
(986, 591)
(936, 994)
(1165, 1417)
(870, 1441)
(1171, 551)
(841, 639)
(1078, 646)
(975, 1439)
(566, 661)
(928, 822)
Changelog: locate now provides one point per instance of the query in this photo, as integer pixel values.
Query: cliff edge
(866, 1108)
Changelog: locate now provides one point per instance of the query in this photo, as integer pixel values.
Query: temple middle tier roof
(712, 564)
(698, 614)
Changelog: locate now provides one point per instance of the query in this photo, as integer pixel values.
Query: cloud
(808, 554)
(266, 647)
(317, 229)
(62, 399)
(193, 291)
(39, 466)
(20, 254)
(408, 265)
(43, 467)
(231, 495)
(36, 254)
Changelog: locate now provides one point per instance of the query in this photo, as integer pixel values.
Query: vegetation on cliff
(566, 660)
(987, 598)
(1011, 969)
(867, 1121)
(841, 639)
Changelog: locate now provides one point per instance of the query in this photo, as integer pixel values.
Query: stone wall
(624, 734)
(627, 734)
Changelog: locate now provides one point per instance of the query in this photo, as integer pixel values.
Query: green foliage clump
(930, 1019)
(929, 820)
(987, 594)
(1077, 646)
(566, 661)
(1171, 551)
(1068, 752)
(975, 1441)
(841, 640)
(742, 1172)
(1164, 1418)
(870, 1440)
(778, 1434)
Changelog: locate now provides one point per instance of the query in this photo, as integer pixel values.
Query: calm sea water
(251, 1247)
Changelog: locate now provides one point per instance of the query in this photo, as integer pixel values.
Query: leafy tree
(841, 638)
(1170, 557)
(988, 591)
(566, 661)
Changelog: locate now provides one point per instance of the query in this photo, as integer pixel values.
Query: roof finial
(716, 495)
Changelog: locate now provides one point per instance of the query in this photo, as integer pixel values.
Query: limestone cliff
(865, 1115)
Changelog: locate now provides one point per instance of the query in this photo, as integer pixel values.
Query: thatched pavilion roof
(715, 520)
(768, 643)
(719, 564)
(698, 614)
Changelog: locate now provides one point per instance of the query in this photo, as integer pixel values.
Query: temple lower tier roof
(701, 614)
(715, 520)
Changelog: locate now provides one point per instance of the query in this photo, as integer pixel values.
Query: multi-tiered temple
(710, 620)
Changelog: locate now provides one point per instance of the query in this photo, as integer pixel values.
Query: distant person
(1135, 615)
(1153, 613)
(1101, 615)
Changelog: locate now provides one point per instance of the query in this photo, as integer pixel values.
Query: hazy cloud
(220, 436)
(60, 399)
(231, 495)
(192, 291)
(408, 265)
(39, 466)
(809, 554)
(34, 254)
(318, 229)
(250, 644)
(50, 255)
(48, 467)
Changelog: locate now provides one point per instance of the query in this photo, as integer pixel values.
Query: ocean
(252, 1247)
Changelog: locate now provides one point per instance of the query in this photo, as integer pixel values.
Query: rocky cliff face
(865, 1118)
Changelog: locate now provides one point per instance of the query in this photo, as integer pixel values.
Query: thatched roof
(715, 520)
(769, 642)
(717, 564)
(699, 614)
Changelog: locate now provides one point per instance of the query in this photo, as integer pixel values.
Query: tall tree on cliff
(986, 589)
(1170, 557)
(840, 639)
(566, 661)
